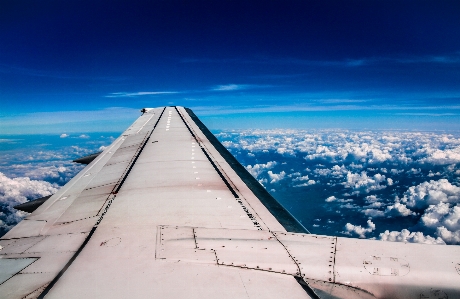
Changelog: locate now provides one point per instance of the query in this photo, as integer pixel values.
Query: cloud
(373, 213)
(335, 199)
(301, 178)
(335, 101)
(52, 171)
(432, 192)
(395, 167)
(398, 209)
(366, 171)
(9, 140)
(358, 230)
(444, 219)
(285, 151)
(276, 177)
(330, 199)
(234, 87)
(396, 171)
(371, 199)
(38, 163)
(306, 184)
(363, 182)
(257, 169)
(64, 135)
(19, 190)
(139, 93)
(335, 171)
(229, 87)
(442, 156)
(448, 58)
(410, 237)
(16, 191)
(414, 171)
(427, 114)
(84, 136)
(448, 236)
(438, 203)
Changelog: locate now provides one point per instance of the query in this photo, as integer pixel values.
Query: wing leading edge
(167, 211)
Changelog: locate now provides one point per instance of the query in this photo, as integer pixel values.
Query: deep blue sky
(373, 64)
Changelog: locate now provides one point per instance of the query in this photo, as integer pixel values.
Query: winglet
(32, 205)
(87, 159)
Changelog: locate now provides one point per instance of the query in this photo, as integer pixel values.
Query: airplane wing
(167, 212)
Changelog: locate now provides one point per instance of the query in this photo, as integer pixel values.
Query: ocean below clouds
(389, 185)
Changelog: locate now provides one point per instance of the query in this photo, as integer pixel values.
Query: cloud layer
(16, 191)
(35, 166)
(388, 185)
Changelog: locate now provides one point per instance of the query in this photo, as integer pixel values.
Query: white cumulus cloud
(398, 209)
(257, 169)
(410, 237)
(364, 182)
(373, 213)
(16, 191)
(306, 184)
(276, 177)
(431, 192)
(331, 199)
(358, 230)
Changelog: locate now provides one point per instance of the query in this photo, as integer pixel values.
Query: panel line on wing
(131, 163)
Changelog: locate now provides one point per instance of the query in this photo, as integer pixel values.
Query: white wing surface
(167, 212)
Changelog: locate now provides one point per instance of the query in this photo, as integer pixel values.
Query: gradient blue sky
(237, 64)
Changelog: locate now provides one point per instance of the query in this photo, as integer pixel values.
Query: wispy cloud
(335, 101)
(104, 120)
(12, 141)
(428, 114)
(280, 61)
(326, 105)
(346, 62)
(427, 59)
(138, 94)
(230, 87)
(233, 87)
(439, 59)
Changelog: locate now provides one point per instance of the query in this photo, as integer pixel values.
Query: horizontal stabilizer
(32, 205)
(87, 159)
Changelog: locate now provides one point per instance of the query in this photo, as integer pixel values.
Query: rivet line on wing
(118, 187)
(208, 157)
(219, 172)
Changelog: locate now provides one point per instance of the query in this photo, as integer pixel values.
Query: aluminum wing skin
(166, 212)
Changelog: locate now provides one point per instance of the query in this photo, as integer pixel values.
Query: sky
(89, 66)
